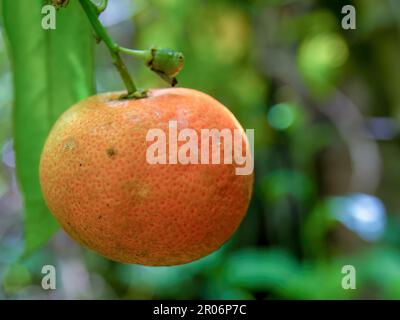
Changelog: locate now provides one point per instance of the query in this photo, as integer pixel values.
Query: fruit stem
(92, 11)
(141, 54)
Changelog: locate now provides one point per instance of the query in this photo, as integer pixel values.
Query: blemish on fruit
(137, 191)
(69, 144)
(143, 192)
(142, 254)
(111, 153)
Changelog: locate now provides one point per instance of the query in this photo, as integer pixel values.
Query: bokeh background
(325, 106)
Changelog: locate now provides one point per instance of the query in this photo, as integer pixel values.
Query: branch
(92, 14)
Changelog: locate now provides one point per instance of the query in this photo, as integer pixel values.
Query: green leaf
(52, 69)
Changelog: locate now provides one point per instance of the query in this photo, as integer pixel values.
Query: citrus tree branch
(166, 63)
(91, 11)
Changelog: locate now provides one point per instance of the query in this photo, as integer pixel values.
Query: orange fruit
(100, 187)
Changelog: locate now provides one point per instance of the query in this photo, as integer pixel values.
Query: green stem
(141, 54)
(91, 12)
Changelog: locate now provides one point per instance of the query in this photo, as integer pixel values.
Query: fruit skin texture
(97, 182)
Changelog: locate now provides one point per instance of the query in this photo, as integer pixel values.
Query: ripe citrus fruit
(100, 187)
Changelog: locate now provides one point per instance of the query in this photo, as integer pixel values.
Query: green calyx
(138, 94)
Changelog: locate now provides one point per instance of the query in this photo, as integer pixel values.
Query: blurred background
(325, 106)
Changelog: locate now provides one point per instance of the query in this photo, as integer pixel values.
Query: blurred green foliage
(324, 103)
